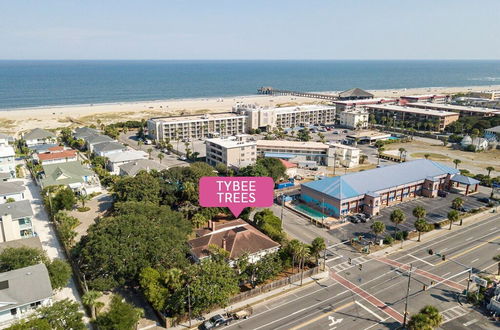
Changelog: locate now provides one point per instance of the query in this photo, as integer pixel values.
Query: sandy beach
(20, 120)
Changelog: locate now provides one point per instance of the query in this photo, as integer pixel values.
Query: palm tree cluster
(427, 319)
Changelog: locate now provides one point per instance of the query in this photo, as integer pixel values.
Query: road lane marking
(470, 322)
(319, 317)
(468, 239)
(468, 250)
(369, 310)
(446, 274)
(411, 255)
(474, 260)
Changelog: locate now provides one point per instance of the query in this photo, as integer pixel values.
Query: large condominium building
(322, 154)
(269, 118)
(491, 95)
(403, 113)
(369, 191)
(351, 104)
(196, 127)
(355, 118)
(461, 109)
(235, 151)
(424, 98)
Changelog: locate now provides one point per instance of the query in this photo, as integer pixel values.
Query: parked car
(485, 200)
(346, 131)
(336, 132)
(215, 322)
(353, 219)
(465, 209)
(442, 193)
(182, 158)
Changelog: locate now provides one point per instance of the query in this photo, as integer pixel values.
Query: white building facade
(355, 119)
(7, 161)
(235, 151)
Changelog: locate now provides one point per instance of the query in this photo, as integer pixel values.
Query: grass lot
(432, 156)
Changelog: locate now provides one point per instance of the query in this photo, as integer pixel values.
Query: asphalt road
(374, 297)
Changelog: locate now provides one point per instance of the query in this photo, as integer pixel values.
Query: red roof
(237, 237)
(57, 155)
(56, 148)
(287, 163)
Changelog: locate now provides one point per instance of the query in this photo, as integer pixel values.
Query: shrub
(388, 240)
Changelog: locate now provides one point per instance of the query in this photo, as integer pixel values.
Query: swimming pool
(392, 138)
(309, 211)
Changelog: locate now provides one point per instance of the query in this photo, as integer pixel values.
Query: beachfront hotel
(369, 191)
(404, 113)
(430, 98)
(285, 117)
(351, 104)
(234, 151)
(196, 126)
(461, 109)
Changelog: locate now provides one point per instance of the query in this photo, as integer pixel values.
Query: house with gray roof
(30, 242)
(16, 221)
(132, 168)
(92, 140)
(370, 190)
(492, 134)
(39, 136)
(22, 291)
(118, 159)
(107, 148)
(85, 132)
(11, 189)
(71, 174)
(5, 139)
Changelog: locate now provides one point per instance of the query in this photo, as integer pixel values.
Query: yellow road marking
(322, 316)
(467, 251)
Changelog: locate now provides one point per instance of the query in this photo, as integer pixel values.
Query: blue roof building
(367, 191)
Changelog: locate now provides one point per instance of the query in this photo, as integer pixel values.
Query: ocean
(47, 83)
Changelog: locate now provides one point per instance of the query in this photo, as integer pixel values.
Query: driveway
(46, 232)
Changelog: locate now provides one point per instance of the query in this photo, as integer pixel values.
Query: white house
(92, 140)
(39, 136)
(7, 160)
(56, 155)
(16, 221)
(22, 291)
(14, 190)
(5, 139)
(478, 142)
(115, 160)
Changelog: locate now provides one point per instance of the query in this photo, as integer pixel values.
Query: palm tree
(150, 150)
(89, 299)
(489, 169)
(419, 321)
(378, 228)
(427, 156)
(293, 246)
(456, 162)
(421, 226)
(433, 314)
(160, 156)
(457, 203)
(497, 259)
(401, 152)
(380, 150)
(317, 245)
(397, 217)
(82, 198)
(302, 254)
(419, 212)
(362, 159)
(453, 216)
(139, 144)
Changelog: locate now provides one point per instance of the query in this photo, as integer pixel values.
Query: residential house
(30, 242)
(479, 143)
(120, 158)
(237, 237)
(5, 139)
(84, 133)
(134, 167)
(106, 149)
(291, 168)
(7, 161)
(492, 134)
(54, 155)
(16, 221)
(11, 190)
(22, 291)
(39, 136)
(72, 174)
(93, 140)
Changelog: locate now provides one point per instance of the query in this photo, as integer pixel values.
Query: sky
(251, 29)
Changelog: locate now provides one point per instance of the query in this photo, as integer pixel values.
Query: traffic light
(443, 257)
(360, 267)
(431, 252)
(349, 261)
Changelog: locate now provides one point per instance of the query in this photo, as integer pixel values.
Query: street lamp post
(282, 207)
(407, 294)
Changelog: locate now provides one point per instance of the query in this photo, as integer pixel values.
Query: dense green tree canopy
(138, 235)
(142, 187)
(121, 316)
(64, 200)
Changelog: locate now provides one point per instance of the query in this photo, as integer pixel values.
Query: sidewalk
(434, 233)
(256, 300)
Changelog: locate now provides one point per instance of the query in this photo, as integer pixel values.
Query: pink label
(236, 193)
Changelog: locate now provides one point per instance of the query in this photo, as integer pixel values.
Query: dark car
(485, 200)
(215, 322)
(352, 219)
(465, 209)
(442, 193)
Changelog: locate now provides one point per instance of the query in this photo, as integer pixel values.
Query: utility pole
(189, 305)
(334, 161)
(323, 212)
(468, 280)
(407, 294)
(282, 206)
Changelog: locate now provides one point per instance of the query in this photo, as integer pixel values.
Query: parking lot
(437, 210)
